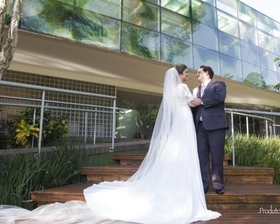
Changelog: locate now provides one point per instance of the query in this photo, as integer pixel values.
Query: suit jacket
(212, 111)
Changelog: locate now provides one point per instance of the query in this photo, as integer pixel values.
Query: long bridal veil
(166, 189)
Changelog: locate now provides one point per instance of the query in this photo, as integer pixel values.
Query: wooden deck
(136, 159)
(231, 174)
(241, 203)
(250, 195)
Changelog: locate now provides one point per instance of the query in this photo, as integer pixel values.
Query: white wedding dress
(167, 187)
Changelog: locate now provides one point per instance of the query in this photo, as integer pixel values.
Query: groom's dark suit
(211, 124)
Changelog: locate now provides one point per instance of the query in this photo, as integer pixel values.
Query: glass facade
(237, 41)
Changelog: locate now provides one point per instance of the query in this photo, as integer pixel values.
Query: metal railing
(252, 114)
(43, 104)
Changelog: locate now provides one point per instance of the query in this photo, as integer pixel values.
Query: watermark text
(269, 211)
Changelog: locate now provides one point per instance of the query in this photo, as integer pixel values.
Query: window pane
(228, 6)
(248, 33)
(251, 74)
(139, 41)
(250, 53)
(176, 25)
(277, 45)
(141, 13)
(211, 2)
(267, 59)
(110, 8)
(68, 21)
(204, 56)
(179, 6)
(35, 18)
(156, 2)
(247, 14)
(206, 37)
(229, 45)
(278, 78)
(230, 68)
(227, 24)
(264, 23)
(176, 51)
(108, 34)
(276, 28)
(265, 41)
(270, 79)
(204, 13)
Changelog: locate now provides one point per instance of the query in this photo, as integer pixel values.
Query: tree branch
(9, 48)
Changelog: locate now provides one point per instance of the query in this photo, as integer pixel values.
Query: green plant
(256, 151)
(24, 131)
(23, 173)
(24, 128)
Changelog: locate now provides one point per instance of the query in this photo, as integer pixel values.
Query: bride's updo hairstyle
(180, 68)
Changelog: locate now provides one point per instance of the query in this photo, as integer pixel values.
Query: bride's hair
(180, 68)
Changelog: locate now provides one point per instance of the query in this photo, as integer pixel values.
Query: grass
(257, 151)
(23, 174)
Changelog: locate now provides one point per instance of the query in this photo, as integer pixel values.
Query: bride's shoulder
(183, 85)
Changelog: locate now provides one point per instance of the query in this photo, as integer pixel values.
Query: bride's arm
(187, 93)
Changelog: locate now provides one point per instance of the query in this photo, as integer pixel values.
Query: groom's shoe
(220, 191)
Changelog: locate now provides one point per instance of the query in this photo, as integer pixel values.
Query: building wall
(237, 41)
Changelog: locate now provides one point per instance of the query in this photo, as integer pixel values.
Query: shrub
(256, 151)
(24, 128)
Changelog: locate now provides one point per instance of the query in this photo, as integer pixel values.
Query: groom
(211, 124)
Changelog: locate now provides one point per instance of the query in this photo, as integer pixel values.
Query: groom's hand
(196, 102)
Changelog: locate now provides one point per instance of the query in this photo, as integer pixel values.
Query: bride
(167, 187)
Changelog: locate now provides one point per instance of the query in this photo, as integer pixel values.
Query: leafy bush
(256, 151)
(23, 174)
(23, 129)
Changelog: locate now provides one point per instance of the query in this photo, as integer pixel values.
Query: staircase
(246, 188)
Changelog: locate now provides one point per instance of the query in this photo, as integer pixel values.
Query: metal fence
(270, 125)
(85, 109)
(89, 112)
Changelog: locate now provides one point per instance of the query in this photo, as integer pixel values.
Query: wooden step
(244, 196)
(235, 174)
(237, 196)
(239, 216)
(242, 216)
(126, 159)
(97, 174)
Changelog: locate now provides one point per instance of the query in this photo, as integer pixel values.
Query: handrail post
(86, 126)
(41, 121)
(232, 137)
(94, 131)
(266, 128)
(113, 127)
(33, 122)
(247, 126)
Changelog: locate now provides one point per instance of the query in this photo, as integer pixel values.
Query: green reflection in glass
(255, 79)
(141, 42)
(111, 37)
(180, 6)
(60, 19)
(141, 13)
(204, 13)
(174, 50)
(111, 8)
(176, 25)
